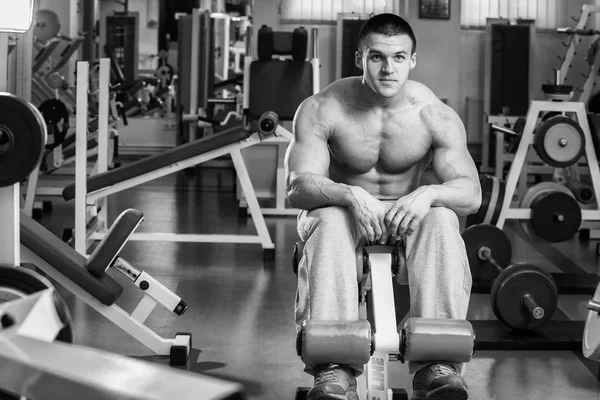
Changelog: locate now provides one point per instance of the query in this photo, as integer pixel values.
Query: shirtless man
(354, 169)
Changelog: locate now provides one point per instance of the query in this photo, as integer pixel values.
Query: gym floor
(241, 308)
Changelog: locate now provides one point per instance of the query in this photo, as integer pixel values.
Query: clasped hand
(380, 222)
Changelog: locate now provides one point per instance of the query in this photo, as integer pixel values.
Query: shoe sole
(320, 395)
(451, 391)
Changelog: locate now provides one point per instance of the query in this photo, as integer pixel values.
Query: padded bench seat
(67, 261)
(152, 163)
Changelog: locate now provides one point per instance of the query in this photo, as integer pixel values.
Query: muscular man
(354, 167)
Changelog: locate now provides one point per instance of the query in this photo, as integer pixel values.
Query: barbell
(523, 295)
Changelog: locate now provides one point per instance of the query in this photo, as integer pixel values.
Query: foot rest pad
(341, 342)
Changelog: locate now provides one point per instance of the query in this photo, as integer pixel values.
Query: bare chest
(391, 143)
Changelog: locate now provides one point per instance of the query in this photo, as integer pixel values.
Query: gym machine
(506, 143)
(348, 26)
(375, 339)
(559, 133)
(23, 137)
(279, 84)
(32, 344)
(48, 43)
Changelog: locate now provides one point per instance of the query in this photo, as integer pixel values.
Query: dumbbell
(351, 342)
(523, 295)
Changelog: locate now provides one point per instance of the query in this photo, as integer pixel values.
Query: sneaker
(439, 382)
(333, 381)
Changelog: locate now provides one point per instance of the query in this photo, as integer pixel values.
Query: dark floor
(241, 308)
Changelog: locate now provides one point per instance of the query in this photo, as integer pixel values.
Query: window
(548, 14)
(326, 11)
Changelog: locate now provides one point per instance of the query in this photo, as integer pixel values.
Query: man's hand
(369, 213)
(407, 213)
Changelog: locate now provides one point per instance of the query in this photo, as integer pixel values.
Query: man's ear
(413, 60)
(358, 60)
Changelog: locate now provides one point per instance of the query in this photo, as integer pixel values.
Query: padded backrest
(280, 85)
(272, 43)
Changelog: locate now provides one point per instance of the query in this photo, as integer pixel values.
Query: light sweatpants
(438, 269)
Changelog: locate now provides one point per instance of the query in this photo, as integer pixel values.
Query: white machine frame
(132, 323)
(373, 383)
(527, 138)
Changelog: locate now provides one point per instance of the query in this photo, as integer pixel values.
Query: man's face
(385, 61)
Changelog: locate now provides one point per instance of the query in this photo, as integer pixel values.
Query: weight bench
(88, 280)
(376, 339)
(230, 141)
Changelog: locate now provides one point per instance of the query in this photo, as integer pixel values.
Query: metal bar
(81, 157)
(188, 238)
(151, 175)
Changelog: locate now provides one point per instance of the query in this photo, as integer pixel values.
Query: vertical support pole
(89, 26)
(24, 65)
(103, 148)
(247, 62)
(194, 70)
(10, 239)
(81, 158)
(315, 61)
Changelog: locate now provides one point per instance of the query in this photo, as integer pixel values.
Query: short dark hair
(387, 24)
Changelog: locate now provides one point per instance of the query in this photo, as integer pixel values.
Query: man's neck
(376, 101)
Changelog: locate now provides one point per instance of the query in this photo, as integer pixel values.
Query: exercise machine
(375, 339)
(30, 329)
(227, 142)
(279, 80)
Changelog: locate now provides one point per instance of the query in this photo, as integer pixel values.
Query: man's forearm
(461, 195)
(310, 191)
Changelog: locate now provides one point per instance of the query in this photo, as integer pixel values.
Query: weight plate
(552, 233)
(591, 333)
(481, 236)
(18, 282)
(55, 112)
(555, 216)
(559, 141)
(492, 197)
(512, 285)
(22, 139)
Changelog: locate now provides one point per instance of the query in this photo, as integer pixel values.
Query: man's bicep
(308, 152)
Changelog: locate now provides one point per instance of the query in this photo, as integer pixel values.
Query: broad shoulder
(436, 115)
(328, 104)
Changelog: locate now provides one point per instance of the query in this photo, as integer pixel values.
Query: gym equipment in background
(88, 192)
(509, 86)
(121, 36)
(375, 339)
(273, 84)
(348, 26)
(523, 295)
